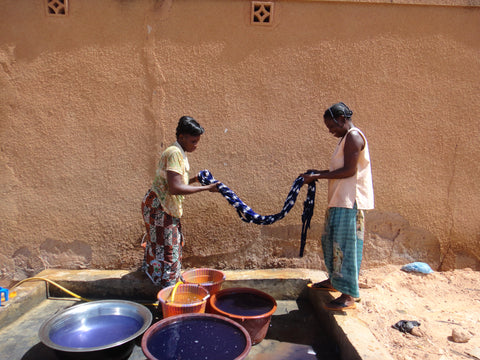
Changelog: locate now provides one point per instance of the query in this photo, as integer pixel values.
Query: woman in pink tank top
(350, 192)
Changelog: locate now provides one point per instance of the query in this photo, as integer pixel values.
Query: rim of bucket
(203, 269)
(242, 291)
(176, 318)
(172, 303)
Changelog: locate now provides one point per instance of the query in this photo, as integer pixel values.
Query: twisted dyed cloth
(248, 215)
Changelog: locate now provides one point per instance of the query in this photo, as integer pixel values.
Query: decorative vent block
(57, 7)
(262, 13)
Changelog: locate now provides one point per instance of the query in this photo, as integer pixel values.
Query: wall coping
(452, 3)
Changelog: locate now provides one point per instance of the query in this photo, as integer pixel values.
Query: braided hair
(338, 109)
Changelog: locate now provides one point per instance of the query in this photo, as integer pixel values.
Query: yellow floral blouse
(172, 159)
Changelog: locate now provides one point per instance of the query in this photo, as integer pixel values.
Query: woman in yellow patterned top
(162, 206)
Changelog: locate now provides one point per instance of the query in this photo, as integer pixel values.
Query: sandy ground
(440, 301)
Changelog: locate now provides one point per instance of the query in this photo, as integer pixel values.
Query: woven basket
(210, 279)
(188, 298)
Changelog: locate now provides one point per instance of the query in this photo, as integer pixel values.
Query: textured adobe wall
(89, 100)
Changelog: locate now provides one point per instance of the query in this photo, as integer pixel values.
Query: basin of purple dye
(251, 308)
(196, 336)
(244, 304)
(96, 329)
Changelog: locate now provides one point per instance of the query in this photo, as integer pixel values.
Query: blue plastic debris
(3, 292)
(419, 267)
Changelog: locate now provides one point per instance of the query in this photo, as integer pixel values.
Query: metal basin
(104, 329)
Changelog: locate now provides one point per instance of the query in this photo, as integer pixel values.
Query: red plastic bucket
(251, 308)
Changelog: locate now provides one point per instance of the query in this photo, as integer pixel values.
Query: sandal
(335, 305)
(323, 285)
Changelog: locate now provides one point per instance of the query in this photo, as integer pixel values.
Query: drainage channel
(296, 331)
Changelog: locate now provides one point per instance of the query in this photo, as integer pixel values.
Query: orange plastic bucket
(187, 298)
(251, 308)
(210, 279)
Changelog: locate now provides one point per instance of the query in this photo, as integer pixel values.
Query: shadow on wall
(51, 254)
(463, 259)
(389, 240)
(277, 247)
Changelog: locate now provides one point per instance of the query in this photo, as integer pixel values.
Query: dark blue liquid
(244, 304)
(197, 338)
(96, 331)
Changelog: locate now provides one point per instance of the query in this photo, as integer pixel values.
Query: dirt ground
(440, 302)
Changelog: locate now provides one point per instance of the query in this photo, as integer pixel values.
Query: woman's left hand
(308, 178)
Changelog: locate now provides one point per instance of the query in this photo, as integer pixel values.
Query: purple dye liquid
(244, 304)
(96, 331)
(197, 338)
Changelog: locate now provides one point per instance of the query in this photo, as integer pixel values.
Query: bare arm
(354, 144)
(177, 187)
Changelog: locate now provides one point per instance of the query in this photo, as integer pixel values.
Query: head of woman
(188, 133)
(338, 119)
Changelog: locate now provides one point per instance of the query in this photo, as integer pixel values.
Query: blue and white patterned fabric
(248, 215)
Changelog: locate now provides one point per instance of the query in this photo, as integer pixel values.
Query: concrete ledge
(282, 284)
(102, 284)
(29, 295)
(353, 336)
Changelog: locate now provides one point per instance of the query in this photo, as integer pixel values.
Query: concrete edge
(353, 336)
(29, 295)
(134, 285)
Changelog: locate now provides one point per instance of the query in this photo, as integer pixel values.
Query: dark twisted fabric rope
(248, 215)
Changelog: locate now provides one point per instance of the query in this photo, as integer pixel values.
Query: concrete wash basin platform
(300, 328)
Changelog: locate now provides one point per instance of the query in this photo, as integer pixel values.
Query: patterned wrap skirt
(342, 245)
(163, 243)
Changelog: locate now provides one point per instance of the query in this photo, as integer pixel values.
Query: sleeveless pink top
(357, 188)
